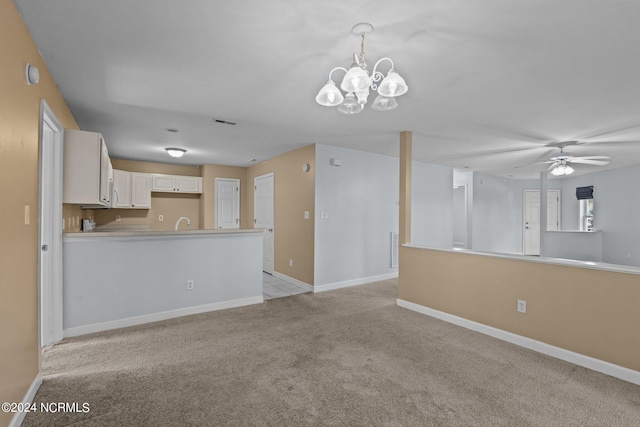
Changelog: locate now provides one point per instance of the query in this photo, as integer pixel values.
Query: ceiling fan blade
(493, 152)
(534, 164)
(589, 162)
(553, 165)
(611, 130)
(591, 157)
(613, 143)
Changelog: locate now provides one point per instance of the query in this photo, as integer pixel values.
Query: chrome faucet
(180, 219)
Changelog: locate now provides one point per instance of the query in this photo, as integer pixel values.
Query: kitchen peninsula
(123, 278)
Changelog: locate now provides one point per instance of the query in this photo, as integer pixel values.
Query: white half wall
(356, 212)
(108, 280)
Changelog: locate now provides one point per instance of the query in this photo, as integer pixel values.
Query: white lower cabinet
(132, 190)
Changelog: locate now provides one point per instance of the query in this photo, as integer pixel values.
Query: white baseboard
(155, 317)
(354, 282)
(598, 365)
(18, 417)
(294, 281)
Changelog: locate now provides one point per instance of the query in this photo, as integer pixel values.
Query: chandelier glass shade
(329, 95)
(357, 83)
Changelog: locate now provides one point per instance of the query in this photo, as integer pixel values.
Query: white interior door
(227, 203)
(531, 232)
(50, 228)
(263, 217)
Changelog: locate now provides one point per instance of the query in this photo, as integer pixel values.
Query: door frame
(273, 216)
(216, 200)
(50, 316)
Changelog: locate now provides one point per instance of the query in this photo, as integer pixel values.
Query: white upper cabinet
(131, 190)
(176, 183)
(163, 182)
(121, 189)
(140, 190)
(87, 169)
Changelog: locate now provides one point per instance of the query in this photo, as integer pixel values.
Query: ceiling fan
(558, 165)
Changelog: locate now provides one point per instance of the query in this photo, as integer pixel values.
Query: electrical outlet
(118, 218)
(189, 285)
(522, 306)
(27, 214)
(306, 214)
(290, 263)
(160, 218)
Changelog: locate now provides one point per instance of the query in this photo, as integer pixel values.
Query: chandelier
(357, 82)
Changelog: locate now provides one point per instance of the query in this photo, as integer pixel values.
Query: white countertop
(168, 233)
(544, 260)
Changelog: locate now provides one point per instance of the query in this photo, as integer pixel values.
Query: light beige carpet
(348, 357)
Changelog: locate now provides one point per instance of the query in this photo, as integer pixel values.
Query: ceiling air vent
(223, 122)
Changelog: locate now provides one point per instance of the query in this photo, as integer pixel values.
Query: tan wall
(171, 206)
(19, 127)
(208, 198)
(591, 312)
(294, 194)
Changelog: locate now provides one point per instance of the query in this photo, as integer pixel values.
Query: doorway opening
(460, 216)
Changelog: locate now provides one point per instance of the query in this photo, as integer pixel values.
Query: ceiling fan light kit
(357, 83)
(561, 169)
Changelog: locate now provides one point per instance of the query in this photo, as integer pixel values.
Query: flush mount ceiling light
(357, 83)
(176, 152)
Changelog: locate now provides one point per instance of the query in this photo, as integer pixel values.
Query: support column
(544, 185)
(404, 235)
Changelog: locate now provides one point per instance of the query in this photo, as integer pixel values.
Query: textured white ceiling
(491, 82)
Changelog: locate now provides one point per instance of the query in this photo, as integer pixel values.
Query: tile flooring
(273, 287)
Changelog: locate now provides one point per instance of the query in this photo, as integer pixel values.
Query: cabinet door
(121, 189)
(105, 166)
(163, 183)
(140, 190)
(188, 184)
